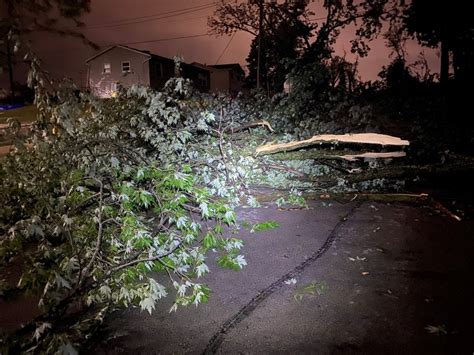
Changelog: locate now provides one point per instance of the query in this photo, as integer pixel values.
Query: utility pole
(260, 33)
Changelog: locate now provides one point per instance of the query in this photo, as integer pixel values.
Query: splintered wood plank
(372, 155)
(358, 138)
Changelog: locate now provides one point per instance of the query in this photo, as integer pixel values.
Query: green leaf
(263, 226)
(229, 217)
(218, 229)
(145, 198)
(228, 262)
(148, 304)
(209, 241)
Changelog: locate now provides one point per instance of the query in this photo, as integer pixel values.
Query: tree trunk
(444, 70)
(8, 47)
(10, 67)
(260, 34)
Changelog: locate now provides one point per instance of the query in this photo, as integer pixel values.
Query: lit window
(125, 67)
(107, 68)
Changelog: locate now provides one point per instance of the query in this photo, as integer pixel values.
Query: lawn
(25, 114)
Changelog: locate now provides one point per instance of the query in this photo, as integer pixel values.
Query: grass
(25, 114)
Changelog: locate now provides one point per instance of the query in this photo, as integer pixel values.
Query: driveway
(359, 277)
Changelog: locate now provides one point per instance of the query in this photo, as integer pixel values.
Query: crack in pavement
(217, 339)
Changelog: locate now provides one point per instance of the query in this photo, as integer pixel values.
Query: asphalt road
(337, 278)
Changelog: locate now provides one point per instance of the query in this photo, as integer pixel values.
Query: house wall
(153, 71)
(104, 84)
(161, 70)
(220, 81)
(235, 81)
(227, 81)
(201, 78)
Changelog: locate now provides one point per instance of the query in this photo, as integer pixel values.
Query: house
(225, 78)
(122, 66)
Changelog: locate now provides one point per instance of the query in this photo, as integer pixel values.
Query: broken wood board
(314, 154)
(358, 138)
(372, 155)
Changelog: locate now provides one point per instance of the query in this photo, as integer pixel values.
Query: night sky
(104, 26)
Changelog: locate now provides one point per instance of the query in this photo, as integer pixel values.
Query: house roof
(233, 66)
(151, 55)
(200, 65)
(228, 66)
(145, 53)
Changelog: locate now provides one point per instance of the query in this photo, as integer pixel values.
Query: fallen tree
(350, 167)
(358, 138)
(89, 208)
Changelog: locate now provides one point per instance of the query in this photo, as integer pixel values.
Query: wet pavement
(359, 277)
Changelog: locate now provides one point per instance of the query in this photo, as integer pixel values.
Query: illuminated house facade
(121, 66)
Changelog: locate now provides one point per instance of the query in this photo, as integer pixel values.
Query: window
(126, 67)
(107, 68)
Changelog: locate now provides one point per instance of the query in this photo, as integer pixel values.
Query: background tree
(19, 18)
(367, 16)
(289, 30)
(286, 31)
(449, 26)
(343, 74)
(397, 76)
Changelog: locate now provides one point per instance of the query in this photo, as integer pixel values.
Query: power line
(166, 39)
(157, 14)
(177, 12)
(186, 19)
(150, 18)
(227, 46)
(138, 42)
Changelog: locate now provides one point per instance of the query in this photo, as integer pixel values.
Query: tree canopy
(449, 25)
(20, 18)
(286, 31)
(290, 31)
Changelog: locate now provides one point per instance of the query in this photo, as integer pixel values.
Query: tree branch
(99, 233)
